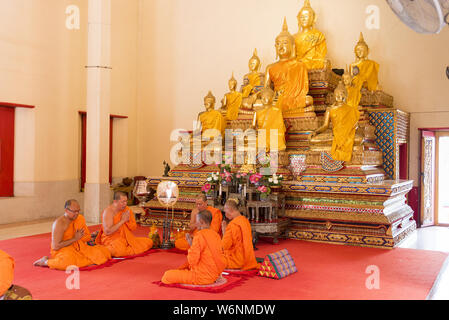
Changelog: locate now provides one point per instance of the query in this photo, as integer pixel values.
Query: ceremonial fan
(423, 16)
(167, 194)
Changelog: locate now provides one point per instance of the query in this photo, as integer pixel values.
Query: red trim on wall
(83, 149)
(413, 202)
(15, 105)
(403, 161)
(7, 115)
(111, 132)
(433, 129)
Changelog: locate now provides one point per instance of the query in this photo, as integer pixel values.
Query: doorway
(434, 182)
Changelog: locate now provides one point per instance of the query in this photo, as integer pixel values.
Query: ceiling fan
(423, 16)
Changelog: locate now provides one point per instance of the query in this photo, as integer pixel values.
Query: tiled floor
(431, 238)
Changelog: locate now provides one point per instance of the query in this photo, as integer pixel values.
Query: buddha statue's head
(361, 49)
(285, 43)
(306, 16)
(232, 83)
(209, 101)
(267, 96)
(254, 62)
(341, 93)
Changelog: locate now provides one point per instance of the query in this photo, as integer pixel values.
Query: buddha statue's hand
(309, 101)
(327, 64)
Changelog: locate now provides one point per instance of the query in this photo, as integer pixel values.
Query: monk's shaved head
(205, 216)
(202, 196)
(232, 204)
(69, 203)
(119, 194)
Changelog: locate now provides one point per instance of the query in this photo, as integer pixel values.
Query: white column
(97, 191)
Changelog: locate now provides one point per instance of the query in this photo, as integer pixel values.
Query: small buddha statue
(365, 72)
(254, 78)
(354, 92)
(344, 119)
(289, 77)
(211, 119)
(270, 118)
(232, 100)
(311, 47)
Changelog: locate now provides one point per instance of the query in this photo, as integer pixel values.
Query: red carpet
(324, 272)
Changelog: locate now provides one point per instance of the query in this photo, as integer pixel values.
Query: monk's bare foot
(42, 262)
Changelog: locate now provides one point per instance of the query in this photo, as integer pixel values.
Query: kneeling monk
(205, 261)
(237, 240)
(69, 242)
(116, 231)
(201, 205)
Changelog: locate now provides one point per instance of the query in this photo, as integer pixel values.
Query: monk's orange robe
(205, 261)
(238, 245)
(79, 253)
(122, 242)
(6, 272)
(217, 218)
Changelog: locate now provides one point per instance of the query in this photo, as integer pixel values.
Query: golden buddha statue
(289, 77)
(311, 47)
(344, 120)
(270, 118)
(364, 71)
(211, 119)
(254, 78)
(354, 92)
(232, 100)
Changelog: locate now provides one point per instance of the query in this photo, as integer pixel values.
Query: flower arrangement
(264, 184)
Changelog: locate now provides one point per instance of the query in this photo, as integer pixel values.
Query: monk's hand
(79, 234)
(125, 216)
(189, 239)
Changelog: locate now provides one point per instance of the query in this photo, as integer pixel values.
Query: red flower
(255, 178)
(206, 188)
(263, 189)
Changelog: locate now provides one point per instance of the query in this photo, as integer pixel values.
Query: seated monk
(69, 242)
(237, 240)
(201, 205)
(8, 291)
(116, 230)
(6, 273)
(205, 261)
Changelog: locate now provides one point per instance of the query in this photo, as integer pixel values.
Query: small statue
(354, 92)
(254, 78)
(154, 235)
(270, 119)
(289, 77)
(212, 121)
(166, 169)
(365, 72)
(311, 45)
(232, 100)
(344, 120)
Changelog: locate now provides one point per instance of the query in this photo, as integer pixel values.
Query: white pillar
(97, 191)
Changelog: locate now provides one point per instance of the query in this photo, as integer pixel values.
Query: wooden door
(7, 151)
(428, 144)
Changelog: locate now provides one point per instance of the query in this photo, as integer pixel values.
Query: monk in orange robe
(116, 231)
(6, 272)
(205, 261)
(201, 205)
(69, 242)
(237, 240)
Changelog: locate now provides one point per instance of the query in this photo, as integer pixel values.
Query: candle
(220, 190)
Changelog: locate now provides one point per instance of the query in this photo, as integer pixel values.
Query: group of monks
(208, 253)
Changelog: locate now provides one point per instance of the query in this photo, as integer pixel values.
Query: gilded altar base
(372, 215)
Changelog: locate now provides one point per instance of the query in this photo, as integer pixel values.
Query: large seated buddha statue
(289, 77)
(270, 119)
(311, 45)
(212, 121)
(343, 136)
(232, 101)
(365, 72)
